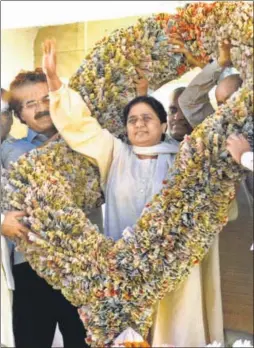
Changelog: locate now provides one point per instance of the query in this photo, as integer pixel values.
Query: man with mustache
(177, 123)
(30, 103)
(37, 307)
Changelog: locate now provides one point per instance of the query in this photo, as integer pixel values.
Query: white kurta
(192, 314)
(132, 182)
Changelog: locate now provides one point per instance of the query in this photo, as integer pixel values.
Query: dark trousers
(37, 308)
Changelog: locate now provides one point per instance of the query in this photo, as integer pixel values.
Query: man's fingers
(176, 42)
(136, 81)
(178, 50)
(233, 137)
(175, 36)
(226, 42)
(19, 235)
(22, 232)
(242, 138)
(140, 72)
(19, 214)
(23, 229)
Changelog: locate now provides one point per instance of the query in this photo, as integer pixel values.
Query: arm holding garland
(194, 101)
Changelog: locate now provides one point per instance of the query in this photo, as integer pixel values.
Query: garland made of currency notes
(117, 284)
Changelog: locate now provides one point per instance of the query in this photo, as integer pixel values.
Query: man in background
(188, 108)
(201, 292)
(37, 307)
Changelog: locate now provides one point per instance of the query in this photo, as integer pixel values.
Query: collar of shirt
(35, 138)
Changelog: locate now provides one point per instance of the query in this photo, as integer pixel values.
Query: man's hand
(224, 59)
(49, 64)
(11, 227)
(141, 83)
(176, 40)
(237, 145)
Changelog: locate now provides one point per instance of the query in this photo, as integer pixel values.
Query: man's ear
(22, 117)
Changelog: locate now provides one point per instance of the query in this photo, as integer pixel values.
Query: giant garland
(116, 284)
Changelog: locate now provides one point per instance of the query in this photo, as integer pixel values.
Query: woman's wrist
(54, 83)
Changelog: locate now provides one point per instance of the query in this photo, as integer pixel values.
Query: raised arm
(73, 120)
(194, 101)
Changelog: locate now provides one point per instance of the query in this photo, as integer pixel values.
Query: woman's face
(144, 127)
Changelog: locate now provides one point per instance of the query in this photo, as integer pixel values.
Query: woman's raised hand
(49, 64)
(49, 58)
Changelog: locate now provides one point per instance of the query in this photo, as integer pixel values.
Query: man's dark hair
(24, 78)
(178, 91)
(152, 102)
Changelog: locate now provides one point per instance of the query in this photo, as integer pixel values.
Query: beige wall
(96, 30)
(74, 40)
(16, 52)
(70, 46)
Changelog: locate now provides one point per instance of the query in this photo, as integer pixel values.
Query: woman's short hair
(157, 107)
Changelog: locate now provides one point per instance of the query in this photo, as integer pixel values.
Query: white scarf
(163, 150)
(159, 149)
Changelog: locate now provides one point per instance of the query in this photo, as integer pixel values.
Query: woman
(130, 174)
